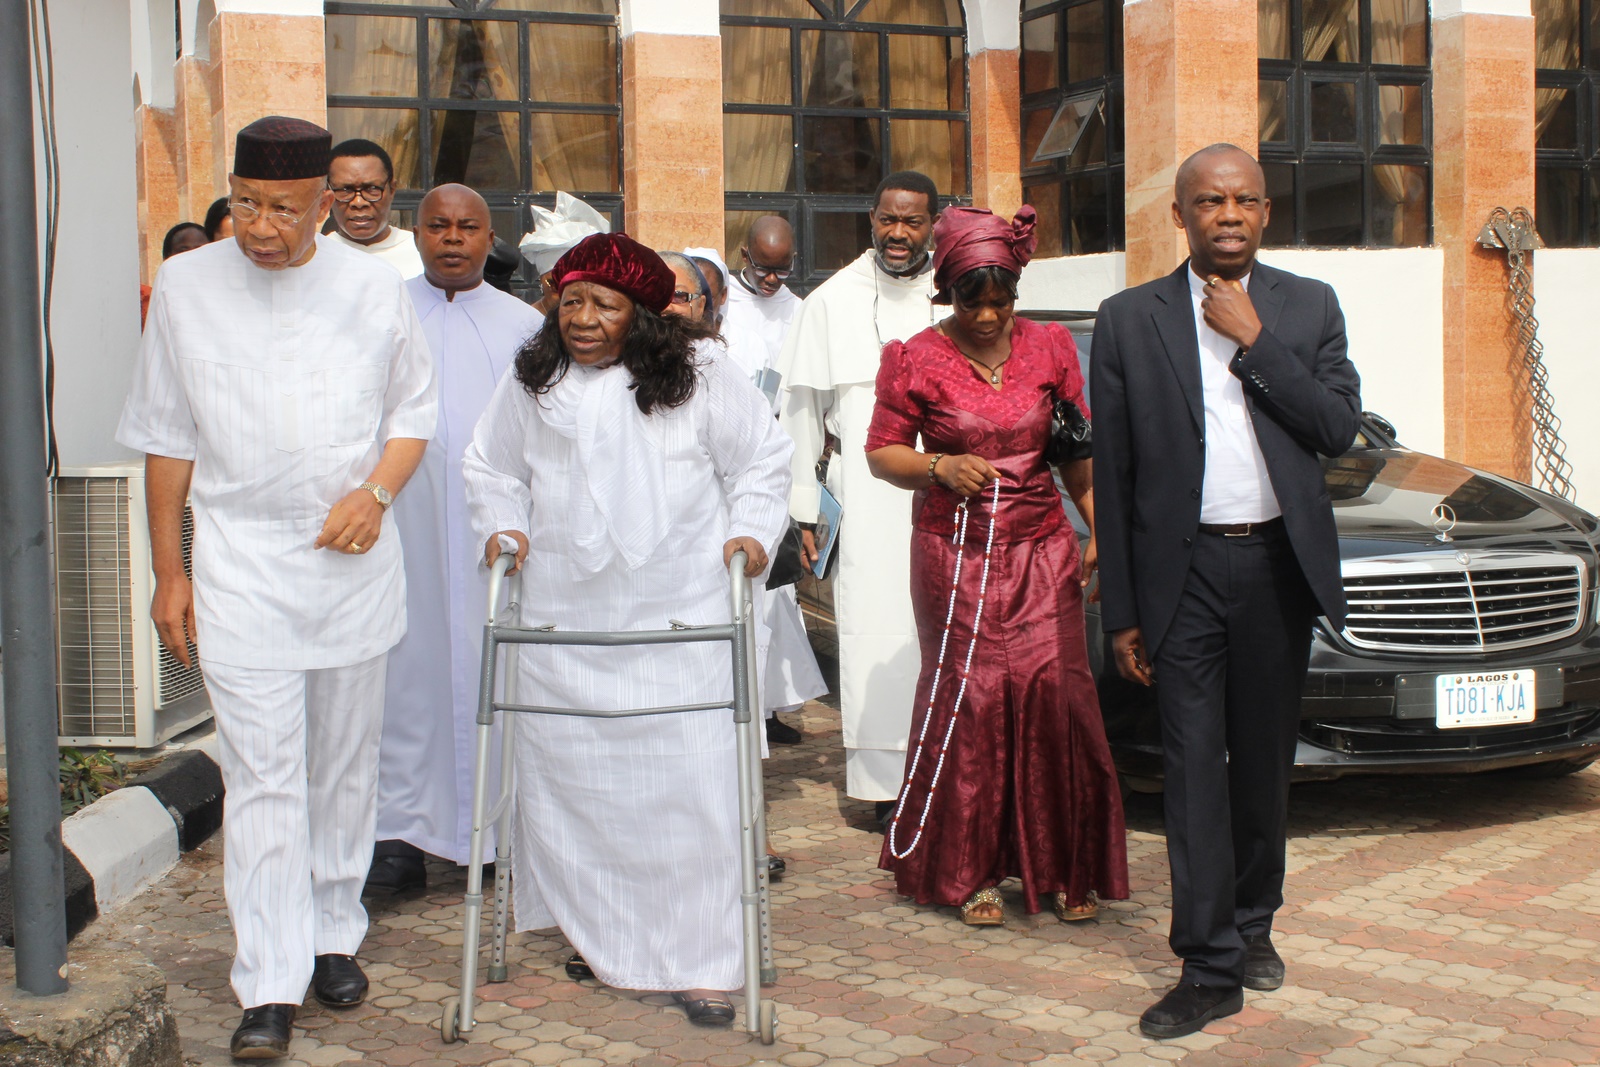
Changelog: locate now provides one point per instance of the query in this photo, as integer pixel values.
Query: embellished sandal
(714, 1010)
(990, 896)
(1077, 913)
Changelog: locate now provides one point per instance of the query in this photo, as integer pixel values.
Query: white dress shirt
(1236, 488)
(398, 249)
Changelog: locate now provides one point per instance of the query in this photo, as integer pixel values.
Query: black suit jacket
(1149, 435)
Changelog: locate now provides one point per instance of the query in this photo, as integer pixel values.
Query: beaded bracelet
(932, 463)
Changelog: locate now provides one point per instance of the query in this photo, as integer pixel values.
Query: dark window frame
(1584, 157)
(608, 202)
(800, 206)
(1109, 84)
(1366, 151)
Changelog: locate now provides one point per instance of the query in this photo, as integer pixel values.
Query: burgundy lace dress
(1028, 789)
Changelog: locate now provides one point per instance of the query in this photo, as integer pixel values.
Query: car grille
(1435, 603)
(1402, 740)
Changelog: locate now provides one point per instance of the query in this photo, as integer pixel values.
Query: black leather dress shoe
(337, 981)
(397, 868)
(884, 810)
(781, 733)
(1187, 1007)
(263, 1033)
(1263, 967)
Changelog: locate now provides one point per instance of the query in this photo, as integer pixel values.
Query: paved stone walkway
(1429, 921)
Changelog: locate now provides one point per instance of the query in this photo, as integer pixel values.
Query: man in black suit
(1215, 388)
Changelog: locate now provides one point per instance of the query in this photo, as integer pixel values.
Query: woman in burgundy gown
(1022, 784)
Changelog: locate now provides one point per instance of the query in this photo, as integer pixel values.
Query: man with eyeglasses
(284, 388)
(758, 299)
(361, 175)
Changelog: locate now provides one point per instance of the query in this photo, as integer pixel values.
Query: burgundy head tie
(967, 238)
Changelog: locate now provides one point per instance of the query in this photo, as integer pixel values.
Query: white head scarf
(712, 255)
(556, 232)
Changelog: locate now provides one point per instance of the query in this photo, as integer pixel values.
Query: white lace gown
(627, 830)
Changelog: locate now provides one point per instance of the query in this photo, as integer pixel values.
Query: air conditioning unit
(118, 686)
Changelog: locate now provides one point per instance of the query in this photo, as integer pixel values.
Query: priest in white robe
(430, 712)
(284, 387)
(361, 176)
(830, 369)
(629, 470)
(758, 299)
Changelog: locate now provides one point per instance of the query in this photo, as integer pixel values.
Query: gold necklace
(994, 371)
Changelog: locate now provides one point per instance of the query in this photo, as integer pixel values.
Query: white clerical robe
(430, 712)
(398, 248)
(628, 829)
(769, 317)
(830, 369)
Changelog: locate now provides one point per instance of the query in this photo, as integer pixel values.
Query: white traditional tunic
(283, 387)
(628, 829)
(769, 317)
(830, 369)
(398, 248)
(430, 713)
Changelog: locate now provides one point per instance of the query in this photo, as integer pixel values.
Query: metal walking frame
(760, 1015)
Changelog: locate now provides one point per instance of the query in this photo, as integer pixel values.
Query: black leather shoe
(781, 733)
(1187, 1007)
(578, 968)
(1263, 967)
(396, 871)
(337, 981)
(884, 810)
(776, 865)
(263, 1033)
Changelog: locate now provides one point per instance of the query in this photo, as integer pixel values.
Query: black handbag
(1071, 436)
(788, 564)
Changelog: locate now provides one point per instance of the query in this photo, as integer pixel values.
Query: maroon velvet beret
(281, 149)
(618, 262)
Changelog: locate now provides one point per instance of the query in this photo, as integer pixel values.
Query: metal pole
(38, 888)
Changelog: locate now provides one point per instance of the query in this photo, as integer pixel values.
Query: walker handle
(497, 573)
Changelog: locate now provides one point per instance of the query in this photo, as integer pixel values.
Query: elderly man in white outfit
(285, 388)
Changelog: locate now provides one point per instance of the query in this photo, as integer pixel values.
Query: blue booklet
(829, 514)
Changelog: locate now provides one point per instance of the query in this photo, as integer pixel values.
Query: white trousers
(300, 764)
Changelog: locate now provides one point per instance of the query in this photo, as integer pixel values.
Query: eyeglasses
(682, 296)
(247, 213)
(757, 270)
(370, 193)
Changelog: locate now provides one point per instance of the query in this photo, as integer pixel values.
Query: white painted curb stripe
(125, 840)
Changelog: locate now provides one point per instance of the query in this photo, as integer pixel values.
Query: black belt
(1240, 529)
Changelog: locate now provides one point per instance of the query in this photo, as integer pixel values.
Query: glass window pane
(1333, 204)
(1116, 39)
(371, 56)
(1333, 112)
(1090, 226)
(1034, 125)
(1557, 205)
(918, 12)
(1046, 200)
(838, 237)
(482, 149)
(577, 153)
(1029, 5)
(1400, 32)
(735, 227)
(758, 153)
(565, 7)
(1331, 31)
(1114, 115)
(572, 64)
(1400, 114)
(1086, 41)
(777, 9)
(1399, 206)
(755, 65)
(935, 147)
(1555, 118)
(925, 72)
(1273, 110)
(1280, 190)
(1076, 132)
(1272, 29)
(1555, 29)
(1594, 35)
(841, 155)
(472, 60)
(1039, 67)
(839, 69)
(394, 128)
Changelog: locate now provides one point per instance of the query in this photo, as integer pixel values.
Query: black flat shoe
(337, 981)
(396, 874)
(781, 733)
(715, 1010)
(577, 968)
(263, 1033)
(883, 810)
(1263, 967)
(1187, 1007)
(775, 868)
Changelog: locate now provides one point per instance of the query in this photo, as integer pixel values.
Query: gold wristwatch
(379, 492)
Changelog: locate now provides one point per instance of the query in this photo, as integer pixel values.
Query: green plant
(84, 778)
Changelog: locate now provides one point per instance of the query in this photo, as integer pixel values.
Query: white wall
(682, 18)
(1071, 283)
(1565, 284)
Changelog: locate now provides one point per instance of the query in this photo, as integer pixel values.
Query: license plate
(1485, 698)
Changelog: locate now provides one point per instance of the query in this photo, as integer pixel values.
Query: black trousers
(1229, 672)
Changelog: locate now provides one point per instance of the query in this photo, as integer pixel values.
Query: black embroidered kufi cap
(279, 149)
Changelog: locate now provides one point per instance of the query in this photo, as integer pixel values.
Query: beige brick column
(996, 117)
(1189, 81)
(262, 64)
(1483, 157)
(672, 139)
(155, 131)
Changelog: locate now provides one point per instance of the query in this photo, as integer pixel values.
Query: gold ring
(1211, 282)
(356, 548)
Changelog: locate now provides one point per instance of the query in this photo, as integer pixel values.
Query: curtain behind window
(1555, 48)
